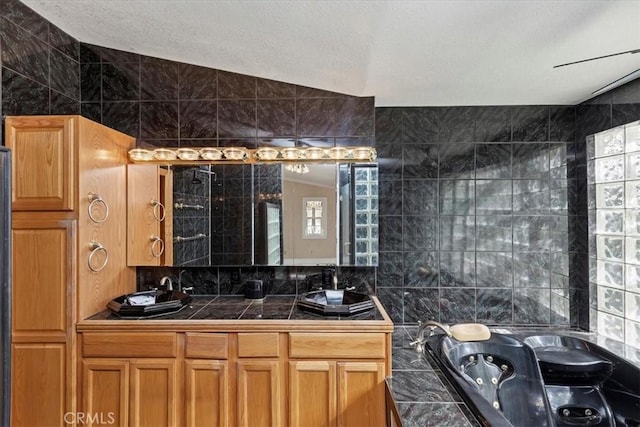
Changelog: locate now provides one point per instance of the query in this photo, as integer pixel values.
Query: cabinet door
(152, 393)
(145, 213)
(361, 399)
(259, 393)
(206, 391)
(42, 162)
(43, 263)
(38, 380)
(105, 391)
(312, 393)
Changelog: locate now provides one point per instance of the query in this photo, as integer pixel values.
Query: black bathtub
(540, 380)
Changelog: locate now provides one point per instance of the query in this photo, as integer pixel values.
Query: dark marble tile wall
(614, 108)
(170, 104)
(40, 64)
(167, 103)
(475, 214)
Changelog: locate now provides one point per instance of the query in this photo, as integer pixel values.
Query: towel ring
(96, 247)
(95, 200)
(158, 210)
(157, 246)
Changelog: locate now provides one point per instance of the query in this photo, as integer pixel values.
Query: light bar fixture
(247, 155)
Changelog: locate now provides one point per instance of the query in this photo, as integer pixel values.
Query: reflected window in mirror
(315, 219)
(309, 215)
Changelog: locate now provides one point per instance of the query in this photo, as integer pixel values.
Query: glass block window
(366, 215)
(315, 217)
(614, 216)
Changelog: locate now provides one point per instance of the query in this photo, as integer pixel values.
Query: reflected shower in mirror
(191, 212)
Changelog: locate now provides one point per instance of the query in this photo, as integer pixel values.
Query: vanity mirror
(275, 214)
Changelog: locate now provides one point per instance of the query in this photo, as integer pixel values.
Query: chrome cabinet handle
(95, 200)
(95, 248)
(158, 210)
(157, 246)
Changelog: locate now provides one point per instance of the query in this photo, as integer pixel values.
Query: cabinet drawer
(258, 345)
(337, 345)
(110, 344)
(206, 346)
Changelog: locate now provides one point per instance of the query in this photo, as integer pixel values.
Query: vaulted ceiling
(403, 52)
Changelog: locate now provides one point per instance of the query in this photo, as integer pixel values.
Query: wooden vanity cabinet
(149, 215)
(134, 392)
(337, 379)
(131, 378)
(260, 378)
(68, 236)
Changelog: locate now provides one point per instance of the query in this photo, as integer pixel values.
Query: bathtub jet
(538, 380)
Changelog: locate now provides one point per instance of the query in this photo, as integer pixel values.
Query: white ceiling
(405, 53)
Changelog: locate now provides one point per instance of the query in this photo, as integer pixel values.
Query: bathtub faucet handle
(418, 344)
(432, 325)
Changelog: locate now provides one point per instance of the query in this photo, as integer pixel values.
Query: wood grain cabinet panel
(206, 346)
(312, 393)
(129, 344)
(149, 216)
(105, 397)
(39, 385)
(337, 345)
(152, 393)
(42, 162)
(361, 399)
(206, 393)
(255, 344)
(40, 282)
(259, 400)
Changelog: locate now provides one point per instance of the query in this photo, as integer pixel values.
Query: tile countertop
(273, 307)
(425, 397)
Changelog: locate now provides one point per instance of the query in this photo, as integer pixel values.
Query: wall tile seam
(52, 47)
(28, 30)
(50, 74)
(25, 76)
